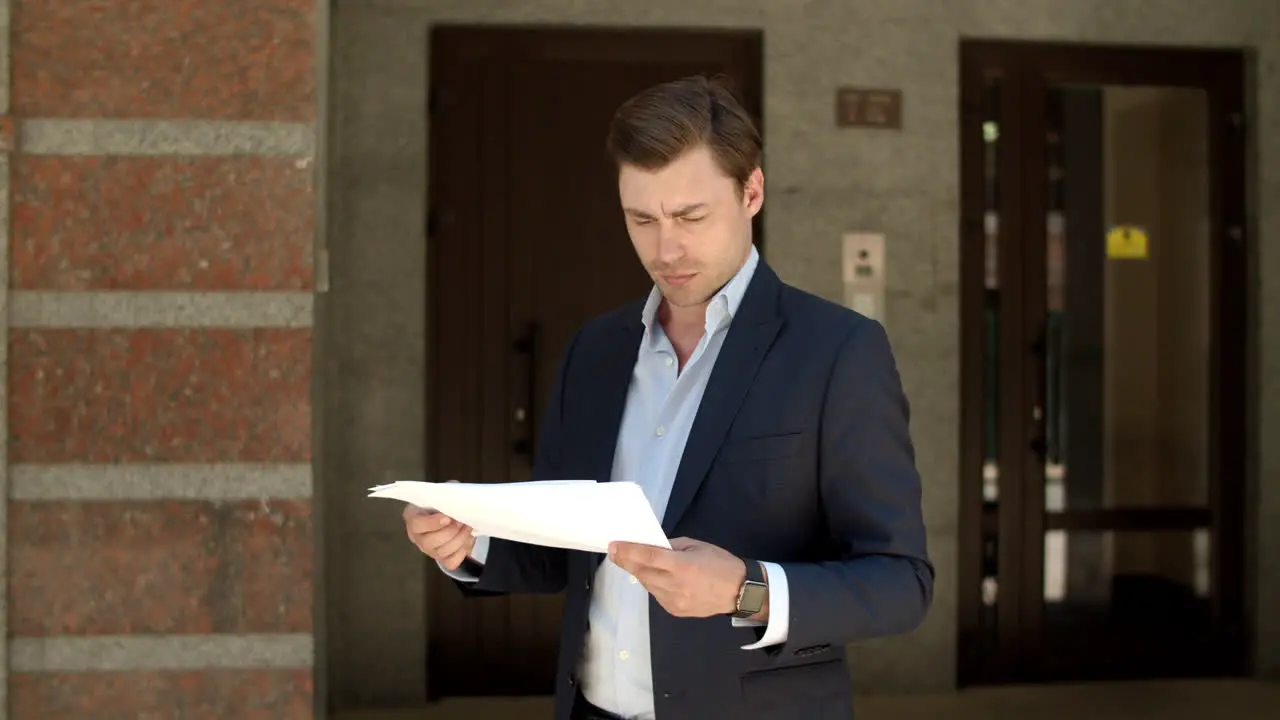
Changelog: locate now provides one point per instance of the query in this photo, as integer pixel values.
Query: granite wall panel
(159, 395)
(209, 694)
(114, 568)
(227, 60)
(161, 223)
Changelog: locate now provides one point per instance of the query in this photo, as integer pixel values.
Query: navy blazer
(800, 455)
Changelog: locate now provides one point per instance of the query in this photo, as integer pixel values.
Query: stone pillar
(161, 203)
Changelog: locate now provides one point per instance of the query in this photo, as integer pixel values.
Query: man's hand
(693, 579)
(439, 536)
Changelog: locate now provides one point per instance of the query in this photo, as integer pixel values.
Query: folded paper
(573, 514)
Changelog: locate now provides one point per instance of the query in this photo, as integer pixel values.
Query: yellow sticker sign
(1127, 242)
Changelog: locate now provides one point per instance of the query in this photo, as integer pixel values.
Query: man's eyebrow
(681, 211)
(688, 209)
(638, 213)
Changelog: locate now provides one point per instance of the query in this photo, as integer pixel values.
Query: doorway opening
(1104, 292)
(527, 242)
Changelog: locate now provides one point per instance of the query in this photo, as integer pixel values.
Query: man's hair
(659, 124)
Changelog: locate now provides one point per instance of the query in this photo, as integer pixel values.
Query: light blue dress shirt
(614, 672)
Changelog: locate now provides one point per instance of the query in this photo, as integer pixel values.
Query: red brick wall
(111, 562)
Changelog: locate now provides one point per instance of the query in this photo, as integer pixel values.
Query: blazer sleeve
(514, 567)
(880, 580)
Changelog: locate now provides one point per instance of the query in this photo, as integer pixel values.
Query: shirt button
(660, 431)
(624, 655)
(634, 580)
(670, 361)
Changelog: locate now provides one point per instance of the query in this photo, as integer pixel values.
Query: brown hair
(659, 124)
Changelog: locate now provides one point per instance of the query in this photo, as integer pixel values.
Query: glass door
(1105, 478)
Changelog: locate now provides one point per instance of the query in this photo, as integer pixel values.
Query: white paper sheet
(574, 514)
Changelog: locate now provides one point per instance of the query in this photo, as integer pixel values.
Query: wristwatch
(754, 591)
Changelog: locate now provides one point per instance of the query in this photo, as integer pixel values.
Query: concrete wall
(822, 182)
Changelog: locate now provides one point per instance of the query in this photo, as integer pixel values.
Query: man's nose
(670, 245)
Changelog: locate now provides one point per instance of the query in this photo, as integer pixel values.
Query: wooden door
(527, 241)
(1103, 363)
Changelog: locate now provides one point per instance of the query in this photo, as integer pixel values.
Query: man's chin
(683, 297)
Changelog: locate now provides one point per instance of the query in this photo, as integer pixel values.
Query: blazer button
(587, 583)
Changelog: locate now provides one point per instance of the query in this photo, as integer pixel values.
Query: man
(767, 427)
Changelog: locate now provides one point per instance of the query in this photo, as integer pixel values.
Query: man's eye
(641, 221)
(695, 218)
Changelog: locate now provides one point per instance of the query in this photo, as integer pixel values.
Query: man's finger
(454, 560)
(412, 511)
(450, 544)
(635, 555)
(437, 539)
(427, 542)
(625, 563)
(627, 559)
(419, 524)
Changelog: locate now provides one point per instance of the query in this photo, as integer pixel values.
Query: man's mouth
(677, 280)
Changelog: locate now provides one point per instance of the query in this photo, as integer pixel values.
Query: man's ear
(753, 192)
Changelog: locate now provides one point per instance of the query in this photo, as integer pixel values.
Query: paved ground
(1119, 701)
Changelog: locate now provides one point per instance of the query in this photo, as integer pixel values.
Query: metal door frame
(1026, 70)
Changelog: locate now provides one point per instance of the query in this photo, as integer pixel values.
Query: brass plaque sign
(864, 108)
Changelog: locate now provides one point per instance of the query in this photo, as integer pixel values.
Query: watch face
(753, 597)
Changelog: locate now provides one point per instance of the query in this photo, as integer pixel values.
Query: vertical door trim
(1033, 310)
(973, 637)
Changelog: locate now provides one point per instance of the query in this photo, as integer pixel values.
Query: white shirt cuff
(779, 610)
(478, 553)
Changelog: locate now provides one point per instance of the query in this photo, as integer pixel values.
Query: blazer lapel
(750, 336)
(614, 367)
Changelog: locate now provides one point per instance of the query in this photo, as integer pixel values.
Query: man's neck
(683, 327)
(682, 319)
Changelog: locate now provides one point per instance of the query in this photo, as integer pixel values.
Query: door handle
(527, 347)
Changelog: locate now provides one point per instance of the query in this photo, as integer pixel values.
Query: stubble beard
(691, 297)
(685, 297)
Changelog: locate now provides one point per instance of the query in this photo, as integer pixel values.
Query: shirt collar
(723, 304)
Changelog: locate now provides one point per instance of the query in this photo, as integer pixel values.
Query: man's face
(690, 225)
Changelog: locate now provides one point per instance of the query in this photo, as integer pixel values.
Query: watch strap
(753, 591)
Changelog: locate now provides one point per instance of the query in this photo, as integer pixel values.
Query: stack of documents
(573, 514)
